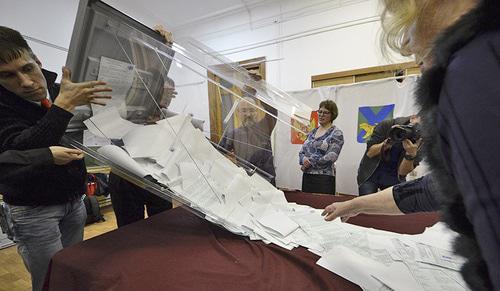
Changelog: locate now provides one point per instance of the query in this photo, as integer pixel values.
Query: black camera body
(399, 133)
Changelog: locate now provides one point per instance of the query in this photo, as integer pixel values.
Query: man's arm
(406, 166)
(409, 161)
(18, 166)
(377, 148)
(19, 134)
(378, 141)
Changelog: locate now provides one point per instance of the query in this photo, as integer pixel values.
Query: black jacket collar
(52, 86)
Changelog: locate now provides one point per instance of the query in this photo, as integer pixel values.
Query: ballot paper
(122, 159)
(435, 256)
(428, 276)
(325, 234)
(278, 222)
(92, 140)
(148, 141)
(108, 124)
(249, 205)
(119, 76)
(367, 273)
(439, 234)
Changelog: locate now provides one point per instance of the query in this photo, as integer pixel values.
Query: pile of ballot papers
(178, 155)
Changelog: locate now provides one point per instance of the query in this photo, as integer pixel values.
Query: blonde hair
(397, 18)
(423, 20)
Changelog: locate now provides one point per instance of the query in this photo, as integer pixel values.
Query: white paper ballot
(92, 140)
(122, 159)
(435, 256)
(197, 123)
(275, 196)
(108, 124)
(149, 141)
(119, 76)
(238, 188)
(351, 270)
(439, 236)
(362, 271)
(259, 183)
(279, 222)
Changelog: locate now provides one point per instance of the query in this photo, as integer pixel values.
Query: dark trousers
(129, 201)
(370, 187)
(318, 183)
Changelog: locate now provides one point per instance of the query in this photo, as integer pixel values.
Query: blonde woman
(458, 44)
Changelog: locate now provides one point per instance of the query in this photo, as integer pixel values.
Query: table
(177, 250)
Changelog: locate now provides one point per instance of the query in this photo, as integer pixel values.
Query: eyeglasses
(323, 112)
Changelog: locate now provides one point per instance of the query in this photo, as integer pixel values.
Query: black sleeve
(379, 134)
(19, 134)
(470, 108)
(17, 166)
(417, 195)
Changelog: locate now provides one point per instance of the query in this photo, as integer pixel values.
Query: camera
(399, 133)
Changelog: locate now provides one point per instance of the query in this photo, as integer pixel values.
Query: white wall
(335, 40)
(48, 21)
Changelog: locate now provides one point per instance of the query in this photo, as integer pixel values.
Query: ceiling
(178, 14)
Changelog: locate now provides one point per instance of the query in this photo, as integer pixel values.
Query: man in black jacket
(47, 212)
(386, 162)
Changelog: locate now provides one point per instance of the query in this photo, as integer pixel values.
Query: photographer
(391, 153)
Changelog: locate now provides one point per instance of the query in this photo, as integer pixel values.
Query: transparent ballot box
(183, 122)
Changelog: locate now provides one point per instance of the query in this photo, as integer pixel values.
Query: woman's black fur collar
(481, 19)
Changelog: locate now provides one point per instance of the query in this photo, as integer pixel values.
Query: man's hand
(168, 94)
(386, 145)
(344, 210)
(379, 148)
(63, 155)
(76, 94)
(410, 147)
(167, 35)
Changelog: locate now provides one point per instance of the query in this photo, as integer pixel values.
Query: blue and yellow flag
(369, 117)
